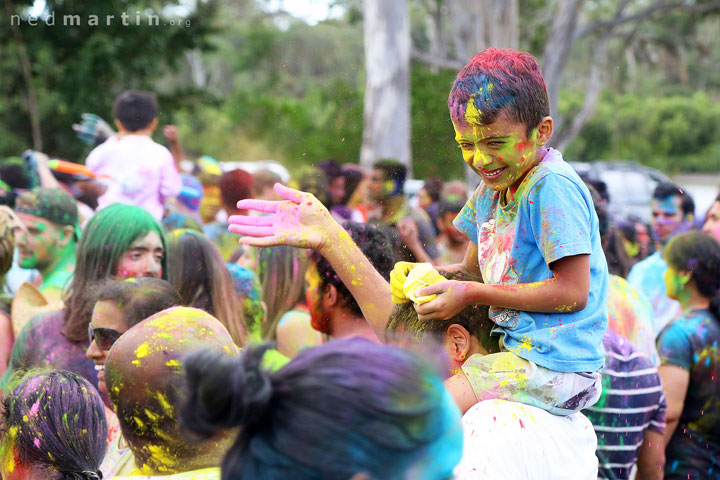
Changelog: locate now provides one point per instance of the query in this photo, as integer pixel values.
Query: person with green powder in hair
(46, 239)
(120, 241)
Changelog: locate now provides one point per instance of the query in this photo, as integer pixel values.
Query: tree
(79, 54)
(386, 127)
(576, 24)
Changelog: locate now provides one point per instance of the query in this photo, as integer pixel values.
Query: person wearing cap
(46, 237)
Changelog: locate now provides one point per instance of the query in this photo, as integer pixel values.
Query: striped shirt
(632, 402)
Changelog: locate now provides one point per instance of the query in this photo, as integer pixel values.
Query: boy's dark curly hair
(375, 243)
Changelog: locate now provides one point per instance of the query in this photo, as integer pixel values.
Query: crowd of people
(164, 323)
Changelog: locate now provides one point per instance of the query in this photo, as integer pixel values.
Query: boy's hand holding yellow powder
(407, 279)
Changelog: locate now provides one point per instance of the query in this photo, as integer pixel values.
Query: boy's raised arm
(302, 221)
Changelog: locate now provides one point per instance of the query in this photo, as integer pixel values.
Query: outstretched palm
(300, 220)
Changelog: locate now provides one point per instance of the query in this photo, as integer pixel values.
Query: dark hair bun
(225, 392)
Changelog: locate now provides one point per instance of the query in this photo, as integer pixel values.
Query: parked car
(629, 186)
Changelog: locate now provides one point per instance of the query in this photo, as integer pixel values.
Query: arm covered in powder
(302, 221)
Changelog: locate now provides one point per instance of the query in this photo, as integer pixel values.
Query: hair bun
(225, 393)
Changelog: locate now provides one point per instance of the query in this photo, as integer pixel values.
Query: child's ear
(544, 130)
(459, 338)
(684, 276)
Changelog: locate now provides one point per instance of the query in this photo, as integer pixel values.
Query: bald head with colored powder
(145, 379)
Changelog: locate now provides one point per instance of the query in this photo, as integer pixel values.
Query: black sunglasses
(104, 337)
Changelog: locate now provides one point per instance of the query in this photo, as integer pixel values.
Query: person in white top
(136, 170)
(505, 440)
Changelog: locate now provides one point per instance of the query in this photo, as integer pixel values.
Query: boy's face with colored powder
(501, 152)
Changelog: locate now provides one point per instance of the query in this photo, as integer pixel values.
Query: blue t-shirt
(551, 217)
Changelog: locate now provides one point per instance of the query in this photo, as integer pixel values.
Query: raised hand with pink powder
(301, 220)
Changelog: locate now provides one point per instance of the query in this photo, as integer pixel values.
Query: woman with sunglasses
(119, 306)
(120, 241)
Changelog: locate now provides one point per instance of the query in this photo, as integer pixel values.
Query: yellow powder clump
(142, 351)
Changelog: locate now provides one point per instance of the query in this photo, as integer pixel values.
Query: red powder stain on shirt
(521, 424)
(309, 204)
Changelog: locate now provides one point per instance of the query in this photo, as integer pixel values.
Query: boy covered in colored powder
(534, 239)
(139, 171)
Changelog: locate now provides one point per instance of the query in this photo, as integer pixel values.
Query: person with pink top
(137, 170)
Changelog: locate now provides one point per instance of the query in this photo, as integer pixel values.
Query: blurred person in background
(630, 314)
(338, 192)
(712, 220)
(198, 272)
(413, 237)
(263, 182)
(208, 171)
(356, 192)
(688, 349)
(235, 185)
(138, 170)
(7, 250)
(428, 198)
(452, 244)
(673, 212)
(46, 241)
(282, 272)
(314, 180)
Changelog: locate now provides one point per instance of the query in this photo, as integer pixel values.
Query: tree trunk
(479, 24)
(557, 50)
(386, 128)
(32, 101)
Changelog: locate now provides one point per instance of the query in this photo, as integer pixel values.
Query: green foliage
(678, 133)
(326, 122)
(81, 67)
(434, 150)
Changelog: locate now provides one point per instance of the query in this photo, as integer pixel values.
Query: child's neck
(508, 195)
(146, 132)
